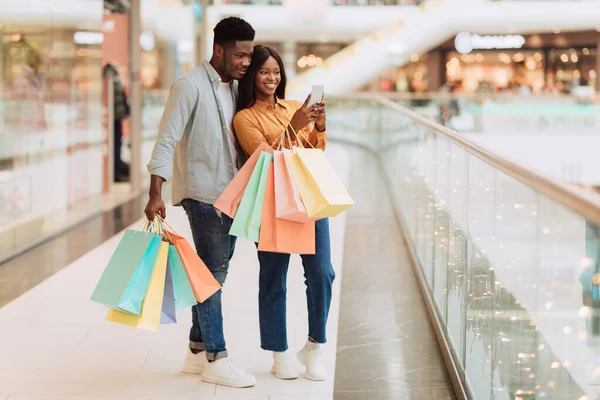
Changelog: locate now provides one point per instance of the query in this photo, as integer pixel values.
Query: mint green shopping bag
(246, 223)
(124, 282)
(184, 295)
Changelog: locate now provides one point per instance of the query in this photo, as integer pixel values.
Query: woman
(262, 115)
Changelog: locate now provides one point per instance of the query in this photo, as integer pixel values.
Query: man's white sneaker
(284, 366)
(224, 372)
(314, 362)
(194, 363)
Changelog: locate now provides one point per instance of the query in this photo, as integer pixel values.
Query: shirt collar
(263, 105)
(214, 76)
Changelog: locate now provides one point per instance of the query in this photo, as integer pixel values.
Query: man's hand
(155, 205)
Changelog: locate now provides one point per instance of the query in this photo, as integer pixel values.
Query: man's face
(236, 58)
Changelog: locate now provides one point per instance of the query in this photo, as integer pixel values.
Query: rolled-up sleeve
(178, 111)
(318, 139)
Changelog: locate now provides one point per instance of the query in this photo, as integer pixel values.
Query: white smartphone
(316, 94)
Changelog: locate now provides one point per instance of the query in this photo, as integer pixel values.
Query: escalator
(366, 59)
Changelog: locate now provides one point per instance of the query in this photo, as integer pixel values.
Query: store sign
(466, 42)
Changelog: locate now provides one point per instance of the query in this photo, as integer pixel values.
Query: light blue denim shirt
(192, 138)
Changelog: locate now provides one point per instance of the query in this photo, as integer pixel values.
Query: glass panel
(424, 162)
(516, 249)
(440, 242)
(480, 287)
(456, 212)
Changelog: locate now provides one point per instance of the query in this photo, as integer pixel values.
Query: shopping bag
(246, 223)
(184, 295)
(229, 201)
(149, 318)
(288, 203)
(282, 236)
(125, 280)
(201, 280)
(168, 314)
(322, 191)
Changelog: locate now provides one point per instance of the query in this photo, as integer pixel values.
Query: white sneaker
(284, 366)
(224, 372)
(314, 362)
(194, 363)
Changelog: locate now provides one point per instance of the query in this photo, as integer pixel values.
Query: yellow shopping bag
(321, 190)
(149, 318)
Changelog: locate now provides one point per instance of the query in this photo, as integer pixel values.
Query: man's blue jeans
(215, 247)
(319, 276)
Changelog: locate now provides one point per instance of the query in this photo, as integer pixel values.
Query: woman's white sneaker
(314, 362)
(284, 366)
(225, 372)
(194, 363)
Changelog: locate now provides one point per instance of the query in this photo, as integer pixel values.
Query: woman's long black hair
(247, 91)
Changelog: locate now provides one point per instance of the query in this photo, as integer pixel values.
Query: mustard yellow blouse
(264, 123)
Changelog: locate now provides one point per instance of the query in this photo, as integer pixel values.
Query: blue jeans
(215, 247)
(319, 276)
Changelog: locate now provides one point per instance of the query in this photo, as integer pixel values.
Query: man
(196, 140)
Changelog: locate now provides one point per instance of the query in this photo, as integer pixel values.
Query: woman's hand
(302, 117)
(321, 120)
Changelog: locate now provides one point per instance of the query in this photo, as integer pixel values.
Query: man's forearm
(156, 183)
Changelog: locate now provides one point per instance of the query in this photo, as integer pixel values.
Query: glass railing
(510, 260)
(499, 113)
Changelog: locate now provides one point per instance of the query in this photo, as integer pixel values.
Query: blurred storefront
(50, 127)
(539, 63)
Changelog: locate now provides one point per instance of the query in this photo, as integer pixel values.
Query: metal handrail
(573, 197)
(482, 96)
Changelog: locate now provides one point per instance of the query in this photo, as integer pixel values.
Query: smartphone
(316, 94)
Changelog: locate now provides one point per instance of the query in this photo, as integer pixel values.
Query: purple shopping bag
(168, 315)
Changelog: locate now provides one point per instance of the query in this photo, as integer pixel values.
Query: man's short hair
(233, 29)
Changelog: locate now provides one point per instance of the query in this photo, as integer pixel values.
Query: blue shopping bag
(125, 280)
(184, 294)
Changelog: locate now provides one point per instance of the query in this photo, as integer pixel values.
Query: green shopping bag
(184, 295)
(125, 280)
(246, 223)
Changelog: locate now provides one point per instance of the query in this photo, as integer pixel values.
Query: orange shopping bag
(202, 281)
(229, 201)
(288, 204)
(282, 236)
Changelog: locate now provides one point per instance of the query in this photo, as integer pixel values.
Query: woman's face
(268, 78)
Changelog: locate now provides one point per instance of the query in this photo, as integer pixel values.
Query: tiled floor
(55, 344)
(386, 345)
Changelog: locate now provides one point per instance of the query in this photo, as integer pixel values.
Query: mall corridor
(460, 170)
(56, 344)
